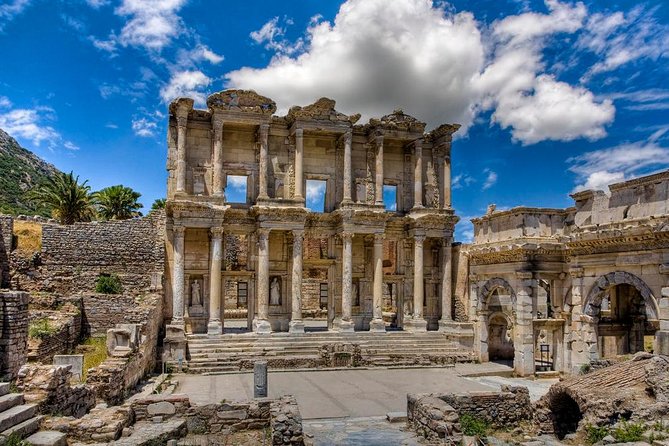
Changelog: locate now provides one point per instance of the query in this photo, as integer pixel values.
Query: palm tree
(69, 200)
(159, 203)
(118, 203)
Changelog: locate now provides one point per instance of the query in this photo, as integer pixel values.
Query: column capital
(182, 121)
(217, 121)
(179, 230)
(263, 233)
(216, 232)
(576, 272)
(379, 237)
(263, 130)
(347, 235)
(348, 136)
(298, 132)
(419, 239)
(298, 234)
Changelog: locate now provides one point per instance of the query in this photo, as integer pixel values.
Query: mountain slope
(20, 171)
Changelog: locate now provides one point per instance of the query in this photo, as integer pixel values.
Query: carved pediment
(321, 110)
(398, 120)
(241, 100)
(443, 130)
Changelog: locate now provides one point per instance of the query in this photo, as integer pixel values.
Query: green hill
(20, 171)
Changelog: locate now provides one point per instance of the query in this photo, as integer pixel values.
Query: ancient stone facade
(364, 264)
(14, 339)
(554, 289)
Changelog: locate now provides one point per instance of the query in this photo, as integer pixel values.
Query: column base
(296, 327)
(377, 326)
(346, 326)
(415, 325)
(214, 327)
(263, 327)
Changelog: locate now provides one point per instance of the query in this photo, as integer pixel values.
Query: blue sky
(553, 96)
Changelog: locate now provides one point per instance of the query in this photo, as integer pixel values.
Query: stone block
(160, 408)
(135, 333)
(47, 438)
(662, 342)
(76, 363)
(119, 342)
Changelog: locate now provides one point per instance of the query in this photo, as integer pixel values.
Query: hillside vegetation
(20, 171)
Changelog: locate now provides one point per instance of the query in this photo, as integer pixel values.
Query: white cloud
(490, 180)
(462, 180)
(200, 53)
(186, 84)
(144, 128)
(599, 168)
(643, 100)
(152, 24)
(11, 9)
(315, 190)
(272, 35)
(32, 125)
(105, 45)
(111, 125)
(97, 3)
(377, 55)
(237, 182)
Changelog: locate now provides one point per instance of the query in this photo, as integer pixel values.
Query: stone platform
(235, 352)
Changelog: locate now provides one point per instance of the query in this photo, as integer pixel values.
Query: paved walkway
(371, 431)
(340, 393)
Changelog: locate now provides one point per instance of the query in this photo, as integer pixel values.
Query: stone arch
(594, 300)
(492, 285)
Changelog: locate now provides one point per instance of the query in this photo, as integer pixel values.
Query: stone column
(378, 199)
(263, 133)
(299, 154)
(296, 323)
(182, 122)
(523, 345)
(418, 322)
(376, 324)
(178, 275)
(262, 324)
(447, 180)
(446, 284)
(347, 324)
(418, 174)
(348, 139)
(215, 326)
(217, 124)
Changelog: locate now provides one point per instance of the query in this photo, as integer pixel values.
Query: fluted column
(378, 199)
(217, 124)
(418, 174)
(262, 324)
(446, 284)
(348, 139)
(299, 155)
(296, 323)
(418, 322)
(178, 275)
(376, 324)
(347, 324)
(215, 325)
(182, 122)
(263, 133)
(447, 181)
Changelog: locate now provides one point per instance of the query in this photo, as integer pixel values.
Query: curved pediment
(398, 120)
(321, 110)
(241, 100)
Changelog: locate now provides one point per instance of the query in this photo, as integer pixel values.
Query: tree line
(73, 201)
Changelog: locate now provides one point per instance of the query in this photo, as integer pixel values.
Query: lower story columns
(346, 324)
(377, 324)
(215, 326)
(296, 323)
(261, 324)
(418, 322)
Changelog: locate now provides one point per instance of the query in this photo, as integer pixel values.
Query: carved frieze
(321, 110)
(241, 100)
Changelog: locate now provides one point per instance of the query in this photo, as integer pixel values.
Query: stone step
(47, 438)
(15, 415)
(146, 433)
(348, 337)
(24, 428)
(10, 400)
(5, 388)
(272, 345)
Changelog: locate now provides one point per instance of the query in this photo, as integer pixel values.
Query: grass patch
(41, 328)
(473, 426)
(629, 432)
(28, 236)
(95, 352)
(595, 434)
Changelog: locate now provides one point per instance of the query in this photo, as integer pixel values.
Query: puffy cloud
(490, 180)
(599, 168)
(236, 182)
(11, 9)
(152, 24)
(462, 180)
(200, 53)
(272, 35)
(377, 55)
(315, 194)
(144, 127)
(186, 83)
(32, 125)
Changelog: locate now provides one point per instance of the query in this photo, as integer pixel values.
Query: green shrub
(108, 284)
(473, 426)
(595, 434)
(40, 329)
(629, 432)
(585, 369)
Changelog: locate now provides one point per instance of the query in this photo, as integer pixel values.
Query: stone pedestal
(174, 344)
(377, 326)
(345, 326)
(296, 327)
(415, 325)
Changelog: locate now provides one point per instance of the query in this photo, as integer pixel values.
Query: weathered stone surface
(14, 332)
(47, 438)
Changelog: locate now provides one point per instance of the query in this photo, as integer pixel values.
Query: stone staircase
(234, 352)
(16, 418)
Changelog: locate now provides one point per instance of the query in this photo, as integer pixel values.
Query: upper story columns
(418, 174)
(377, 140)
(299, 163)
(442, 137)
(263, 141)
(217, 130)
(181, 109)
(348, 141)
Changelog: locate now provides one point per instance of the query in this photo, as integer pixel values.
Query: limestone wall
(66, 326)
(6, 237)
(103, 311)
(14, 339)
(114, 379)
(74, 256)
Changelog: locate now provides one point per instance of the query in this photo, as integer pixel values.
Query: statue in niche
(360, 191)
(431, 187)
(195, 295)
(275, 291)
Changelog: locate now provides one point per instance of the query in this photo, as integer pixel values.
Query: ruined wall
(66, 326)
(103, 311)
(6, 237)
(117, 376)
(14, 339)
(74, 256)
